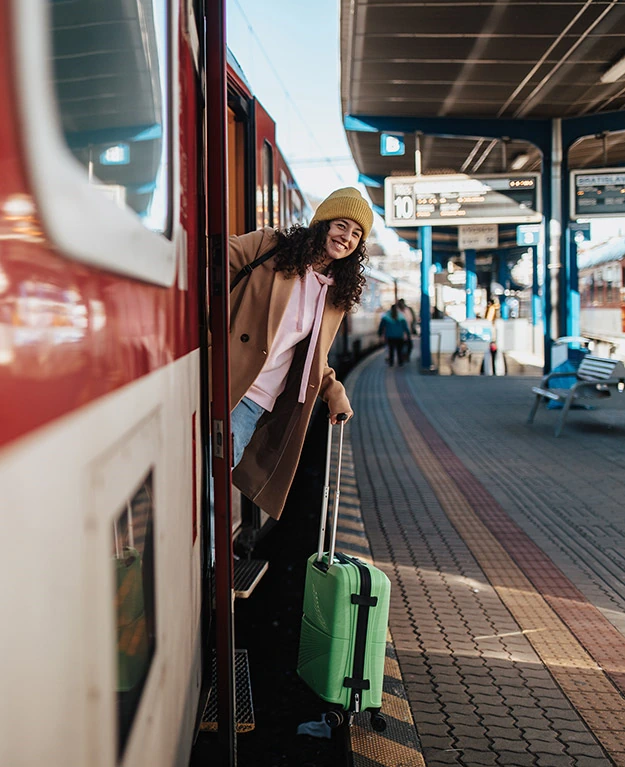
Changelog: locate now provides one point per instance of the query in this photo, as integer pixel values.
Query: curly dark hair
(299, 247)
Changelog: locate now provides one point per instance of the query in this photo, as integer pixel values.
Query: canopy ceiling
(506, 59)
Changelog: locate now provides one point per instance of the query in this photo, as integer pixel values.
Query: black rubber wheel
(378, 722)
(334, 718)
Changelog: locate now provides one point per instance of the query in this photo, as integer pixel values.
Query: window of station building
(267, 184)
(135, 614)
(109, 63)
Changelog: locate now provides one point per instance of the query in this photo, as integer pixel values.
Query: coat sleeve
(333, 392)
(244, 248)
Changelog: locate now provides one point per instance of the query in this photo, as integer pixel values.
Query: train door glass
(267, 182)
(236, 174)
(133, 564)
(110, 78)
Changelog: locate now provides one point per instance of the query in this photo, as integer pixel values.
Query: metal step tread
(245, 706)
(247, 574)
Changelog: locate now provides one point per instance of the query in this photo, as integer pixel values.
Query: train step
(247, 574)
(243, 693)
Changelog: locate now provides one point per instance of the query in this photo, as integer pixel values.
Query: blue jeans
(244, 418)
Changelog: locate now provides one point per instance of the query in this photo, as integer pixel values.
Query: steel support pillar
(471, 283)
(425, 235)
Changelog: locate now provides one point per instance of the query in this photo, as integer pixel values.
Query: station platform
(505, 547)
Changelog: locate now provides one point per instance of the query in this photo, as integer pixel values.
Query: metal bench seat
(593, 379)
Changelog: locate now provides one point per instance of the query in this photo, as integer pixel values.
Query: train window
(285, 218)
(133, 564)
(296, 208)
(267, 182)
(93, 87)
(112, 98)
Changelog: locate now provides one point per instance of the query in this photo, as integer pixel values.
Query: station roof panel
(493, 59)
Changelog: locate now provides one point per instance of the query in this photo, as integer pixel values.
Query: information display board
(455, 200)
(597, 193)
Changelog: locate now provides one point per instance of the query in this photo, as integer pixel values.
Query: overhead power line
(322, 160)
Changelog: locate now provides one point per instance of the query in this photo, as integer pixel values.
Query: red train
(114, 119)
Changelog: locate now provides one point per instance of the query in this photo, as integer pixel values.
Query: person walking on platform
(411, 319)
(395, 332)
(289, 292)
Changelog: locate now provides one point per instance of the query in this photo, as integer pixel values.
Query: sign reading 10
(404, 206)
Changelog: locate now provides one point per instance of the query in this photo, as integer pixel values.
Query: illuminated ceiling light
(520, 161)
(615, 72)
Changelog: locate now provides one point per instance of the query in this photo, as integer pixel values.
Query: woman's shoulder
(245, 248)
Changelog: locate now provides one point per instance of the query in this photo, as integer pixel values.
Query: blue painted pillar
(471, 284)
(573, 318)
(502, 278)
(545, 245)
(425, 234)
(536, 313)
(570, 309)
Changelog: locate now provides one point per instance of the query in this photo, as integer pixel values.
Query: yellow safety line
(585, 684)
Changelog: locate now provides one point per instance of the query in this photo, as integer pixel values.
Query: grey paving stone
(513, 759)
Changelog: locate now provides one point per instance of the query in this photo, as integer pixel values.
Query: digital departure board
(454, 200)
(598, 193)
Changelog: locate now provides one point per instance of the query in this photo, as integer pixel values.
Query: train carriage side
(100, 439)
(104, 426)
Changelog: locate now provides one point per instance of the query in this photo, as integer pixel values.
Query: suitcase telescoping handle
(341, 418)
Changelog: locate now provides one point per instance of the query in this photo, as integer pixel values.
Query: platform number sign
(404, 205)
(459, 200)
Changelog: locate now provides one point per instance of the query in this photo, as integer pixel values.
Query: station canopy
(503, 59)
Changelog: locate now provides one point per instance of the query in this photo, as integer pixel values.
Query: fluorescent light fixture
(615, 72)
(520, 161)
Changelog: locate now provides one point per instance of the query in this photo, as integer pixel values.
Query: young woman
(284, 316)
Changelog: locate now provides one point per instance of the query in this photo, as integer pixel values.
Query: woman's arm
(333, 392)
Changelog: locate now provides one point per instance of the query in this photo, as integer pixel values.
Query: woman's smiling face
(342, 240)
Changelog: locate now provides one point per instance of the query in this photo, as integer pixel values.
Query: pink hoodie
(302, 317)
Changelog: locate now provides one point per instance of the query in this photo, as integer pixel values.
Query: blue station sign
(392, 145)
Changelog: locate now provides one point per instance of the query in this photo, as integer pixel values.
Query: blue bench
(592, 380)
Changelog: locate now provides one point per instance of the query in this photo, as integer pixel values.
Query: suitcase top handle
(341, 418)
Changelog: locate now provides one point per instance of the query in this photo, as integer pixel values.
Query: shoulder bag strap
(249, 268)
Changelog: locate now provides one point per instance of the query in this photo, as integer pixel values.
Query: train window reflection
(133, 563)
(110, 79)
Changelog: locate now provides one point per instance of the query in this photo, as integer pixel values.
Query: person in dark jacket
(395, 332)
(284, 316)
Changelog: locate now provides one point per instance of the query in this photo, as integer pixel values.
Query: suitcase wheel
(334, 718)
(378, 722)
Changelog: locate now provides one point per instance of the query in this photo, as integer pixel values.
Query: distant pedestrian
(395, 332)
(411, 319)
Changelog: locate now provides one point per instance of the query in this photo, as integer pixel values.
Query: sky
(289, 52)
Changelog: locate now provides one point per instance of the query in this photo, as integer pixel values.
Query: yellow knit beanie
(346, 203)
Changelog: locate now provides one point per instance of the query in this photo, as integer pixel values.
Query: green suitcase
(343, 634)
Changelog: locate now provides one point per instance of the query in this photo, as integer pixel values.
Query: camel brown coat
(257, 305)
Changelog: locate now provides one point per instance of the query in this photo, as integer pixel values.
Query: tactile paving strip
(398, 745)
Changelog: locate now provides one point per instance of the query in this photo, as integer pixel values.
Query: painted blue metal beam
(537, 132)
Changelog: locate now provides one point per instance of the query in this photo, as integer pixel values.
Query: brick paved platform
(506, 551)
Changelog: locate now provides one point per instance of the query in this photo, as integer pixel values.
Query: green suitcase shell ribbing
(343, 633)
